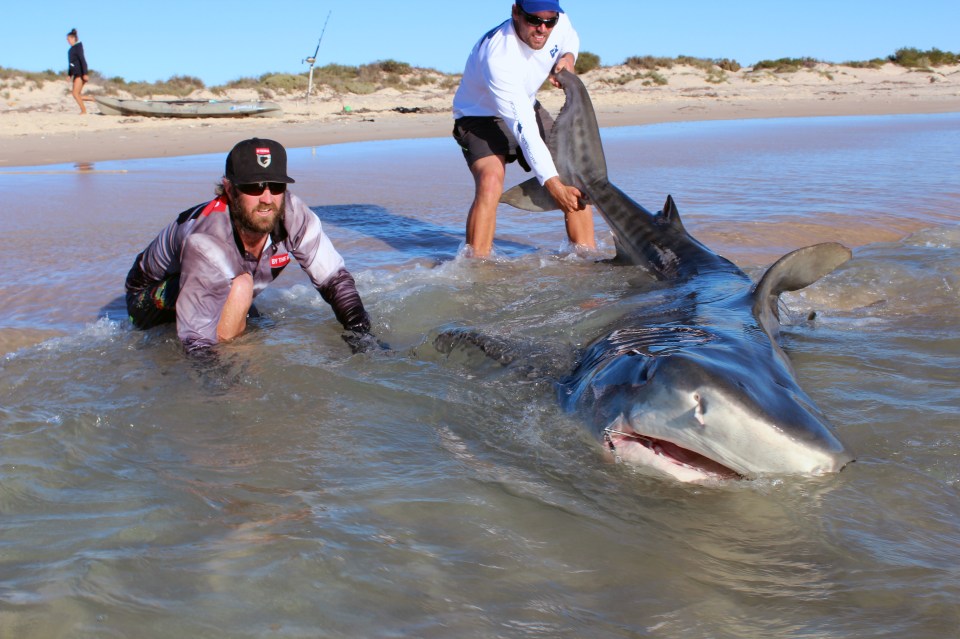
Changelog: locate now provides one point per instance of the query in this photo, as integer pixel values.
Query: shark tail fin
(574, 142)
(792, 272)
(574, 139)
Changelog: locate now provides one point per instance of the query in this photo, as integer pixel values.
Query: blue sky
(222, 41)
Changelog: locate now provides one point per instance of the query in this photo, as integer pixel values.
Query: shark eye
(698, 408)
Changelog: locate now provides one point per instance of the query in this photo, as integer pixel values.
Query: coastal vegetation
(387, 74)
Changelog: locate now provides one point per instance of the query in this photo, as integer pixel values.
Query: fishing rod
(312, 59)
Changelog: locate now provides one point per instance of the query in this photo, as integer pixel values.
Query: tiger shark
(692, 382)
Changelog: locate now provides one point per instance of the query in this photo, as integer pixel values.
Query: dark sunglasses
(536, 21)
(257, 188)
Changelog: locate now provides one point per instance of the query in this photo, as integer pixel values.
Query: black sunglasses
(257, 188)
(536, 21)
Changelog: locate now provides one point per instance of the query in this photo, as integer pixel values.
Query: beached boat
(188, 108)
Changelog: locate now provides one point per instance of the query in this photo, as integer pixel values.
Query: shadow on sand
(413, 237)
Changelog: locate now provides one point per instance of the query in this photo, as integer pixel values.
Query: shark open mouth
(620, 444)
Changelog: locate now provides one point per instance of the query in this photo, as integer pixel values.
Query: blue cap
(536, 6)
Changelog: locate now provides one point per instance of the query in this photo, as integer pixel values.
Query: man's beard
(247, 219)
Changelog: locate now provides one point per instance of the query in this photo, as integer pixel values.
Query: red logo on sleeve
(218, 205)
(279, 261)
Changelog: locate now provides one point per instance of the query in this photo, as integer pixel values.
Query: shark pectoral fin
(792, 272)
(530, 196)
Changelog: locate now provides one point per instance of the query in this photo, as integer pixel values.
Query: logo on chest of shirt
(279, 261)
(553, 51)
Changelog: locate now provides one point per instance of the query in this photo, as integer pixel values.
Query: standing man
(498, 118)
(205, 268)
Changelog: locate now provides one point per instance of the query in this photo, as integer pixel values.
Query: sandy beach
(41, 125)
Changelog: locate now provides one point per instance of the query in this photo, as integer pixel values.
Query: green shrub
(727, 64)
(39, 78)
(876, 63)
(914, 58)
(179, 85)
(586, 61)
(716, 76)
(392, 66)
(284, 82)
(450, 82)
(698, 63)
(239, 83)
(653, 78)
(652, 63)
(648, 62)
(650, 78)
(359, 88)
(786, 65)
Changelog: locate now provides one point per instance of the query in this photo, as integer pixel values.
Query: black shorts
(150, 304)
(155, 305)
(483, 136)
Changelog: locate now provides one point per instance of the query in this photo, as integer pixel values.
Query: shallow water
(298, 491)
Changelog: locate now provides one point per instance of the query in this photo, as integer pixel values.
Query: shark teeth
(618, 441)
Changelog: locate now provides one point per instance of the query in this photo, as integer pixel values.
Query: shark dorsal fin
(792, 272)
(670, 215)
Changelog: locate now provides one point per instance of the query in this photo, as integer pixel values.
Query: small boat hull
(188, 108)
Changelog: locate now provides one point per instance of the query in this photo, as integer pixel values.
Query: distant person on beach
(77, 70)
(205, 268)
(499, 120)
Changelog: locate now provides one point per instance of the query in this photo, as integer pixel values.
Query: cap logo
(263, 156)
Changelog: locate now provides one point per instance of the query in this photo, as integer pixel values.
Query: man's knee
(489, 174)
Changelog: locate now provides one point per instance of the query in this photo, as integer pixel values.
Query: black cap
(257, 160)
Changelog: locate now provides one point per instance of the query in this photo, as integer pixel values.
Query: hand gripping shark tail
(659, 243)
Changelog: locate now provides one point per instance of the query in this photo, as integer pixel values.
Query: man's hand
(567, 62)
(362, 341)
(569, 198)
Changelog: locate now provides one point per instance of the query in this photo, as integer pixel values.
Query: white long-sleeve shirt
(502, 77)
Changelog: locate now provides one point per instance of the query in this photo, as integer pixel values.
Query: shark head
(694, 416)
(704, 390)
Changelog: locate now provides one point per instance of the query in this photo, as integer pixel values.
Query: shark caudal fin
(575, 137)
(574, 143)
(792, 272)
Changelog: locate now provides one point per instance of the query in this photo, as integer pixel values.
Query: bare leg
(233, 318)
(580, 228)
(77, 88)
(488, 174)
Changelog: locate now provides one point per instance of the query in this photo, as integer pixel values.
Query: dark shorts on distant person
(483, 136)
(154, 305)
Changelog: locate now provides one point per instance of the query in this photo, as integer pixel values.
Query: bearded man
(204, 269)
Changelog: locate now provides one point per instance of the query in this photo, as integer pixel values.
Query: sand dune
(42, 125)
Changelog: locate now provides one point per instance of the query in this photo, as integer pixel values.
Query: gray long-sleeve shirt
(202, 247)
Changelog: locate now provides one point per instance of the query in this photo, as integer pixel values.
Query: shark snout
(740, 421)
